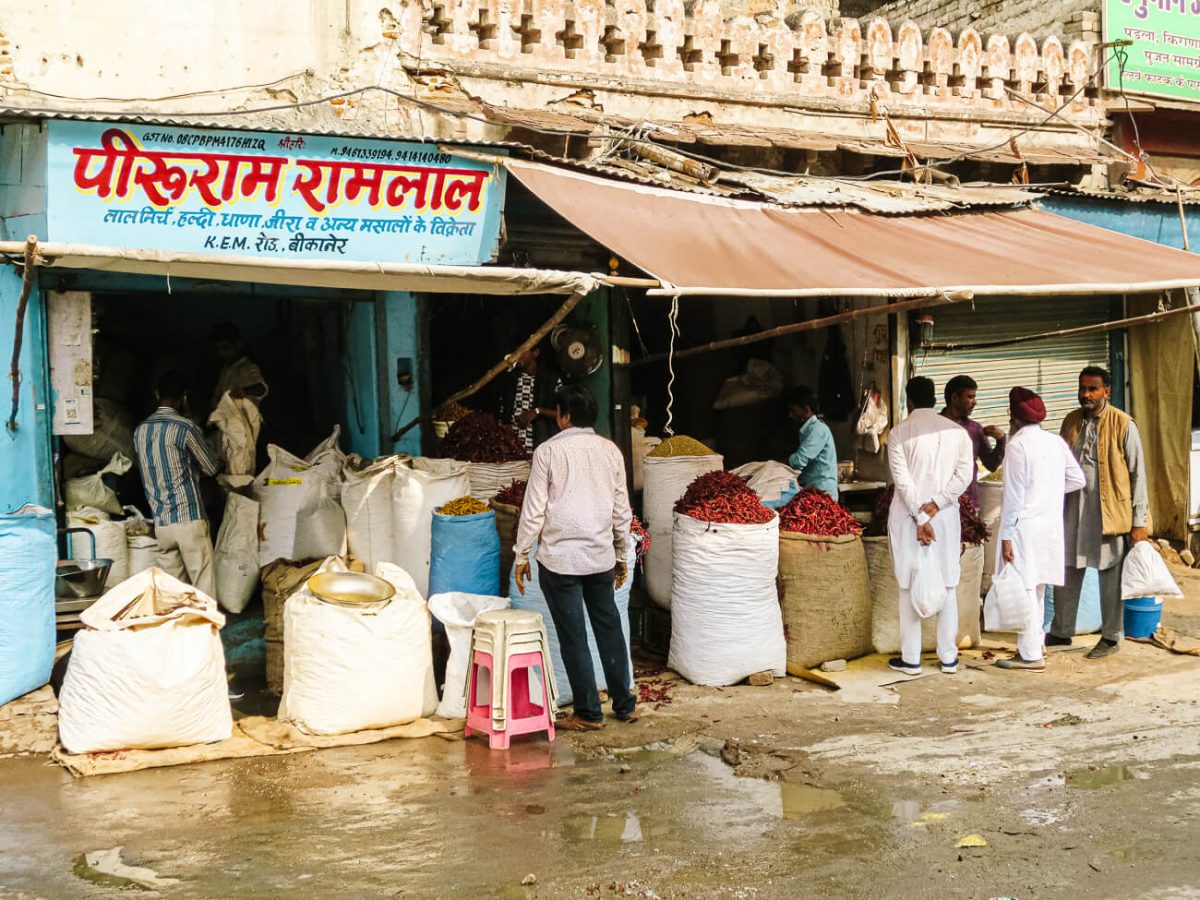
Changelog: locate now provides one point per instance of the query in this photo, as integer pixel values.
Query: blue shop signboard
(257, 194)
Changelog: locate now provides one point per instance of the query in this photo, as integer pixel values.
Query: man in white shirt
(1039, 471)
(931, 460)
(577, 509)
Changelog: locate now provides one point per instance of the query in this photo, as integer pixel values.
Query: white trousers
(947, 630)
(186, 551)
(1031, 643)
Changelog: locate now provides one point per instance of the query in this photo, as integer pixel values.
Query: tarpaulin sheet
(713, 245)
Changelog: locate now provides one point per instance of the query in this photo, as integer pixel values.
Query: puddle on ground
(918, 814)
(799, 800)
(626, 829)
(779, 799)
(1100, 776)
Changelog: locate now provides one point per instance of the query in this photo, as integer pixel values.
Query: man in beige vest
(1110, 512)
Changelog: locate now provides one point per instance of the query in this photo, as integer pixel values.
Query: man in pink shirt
(577, 509)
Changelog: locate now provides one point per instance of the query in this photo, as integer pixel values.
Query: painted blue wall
(400, 340)
(360, 412)
(25, 461)
(1158, 222)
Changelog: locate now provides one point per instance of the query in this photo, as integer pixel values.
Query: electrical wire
(673, 319)
(184, 96)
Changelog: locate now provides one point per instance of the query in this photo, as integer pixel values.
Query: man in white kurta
(1039, 471)
(931, 461)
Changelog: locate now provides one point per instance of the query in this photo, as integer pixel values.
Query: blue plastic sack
(28, 555)
(465, 555)
(1088, 621)
(535, 600)
(784, 498)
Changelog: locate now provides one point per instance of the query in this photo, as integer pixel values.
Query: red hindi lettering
(117, 148)
(464, 184)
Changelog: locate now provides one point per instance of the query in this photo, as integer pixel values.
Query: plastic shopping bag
(1009, 606)
(1146, 574)
(928, 590)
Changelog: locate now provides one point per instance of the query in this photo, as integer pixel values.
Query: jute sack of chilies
(826, 598)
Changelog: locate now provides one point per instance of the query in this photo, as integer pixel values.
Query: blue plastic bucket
(1142, 615)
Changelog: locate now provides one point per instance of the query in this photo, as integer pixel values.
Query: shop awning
(713, 246)
(310, 273)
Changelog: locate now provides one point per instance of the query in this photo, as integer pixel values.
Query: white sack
(418, 491)
(90, 490)
(927, 590)
(112, 432)
(760, 382)
(327, 456)
(235, 555)
(347, 670)
(111, 542)
(725, 619)
(458, 612)
(1009, 606)
(488, 479)
(143, 553)
(239, 422)
(1145, 574)
(641, 445)
(292, 492)
(370, 517)
(147, 670)
(770, 479)
(667, 477)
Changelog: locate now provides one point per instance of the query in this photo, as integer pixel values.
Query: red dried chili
(723, 497)
(814, 512)
(513, 495)
(641, 538)
(974, 531)
(481, 438)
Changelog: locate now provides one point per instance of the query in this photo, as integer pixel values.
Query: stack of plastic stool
(507, 643)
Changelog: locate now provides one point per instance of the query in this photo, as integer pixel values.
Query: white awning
(310, 273)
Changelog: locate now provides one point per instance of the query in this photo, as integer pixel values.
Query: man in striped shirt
(172, 455)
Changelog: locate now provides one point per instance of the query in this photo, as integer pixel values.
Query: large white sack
(771, 480)
(348, 670)
(147, 670)
(111, 542)
(329, 458)
(370, 516)
(239, 422)
(91, 491)
(667, 477)
(725, 619)
(488, 479)
(112, 432)
(419, 490)
(235, 555)
(143, 552)
(458, 611)
(640, 445)
(292, 492)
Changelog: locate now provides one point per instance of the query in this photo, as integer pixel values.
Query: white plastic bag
(458, 613)
(347, 670)
(667, 477)
(147, 670)
(235, 555)
(927, 590)
(239, 422)
(1145, 574)
(90, 490)
(726, 623)
(1008, 606)
(418, 491)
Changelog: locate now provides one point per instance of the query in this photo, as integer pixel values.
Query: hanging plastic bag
(928, 591)
(1008, 606)
(1146, 574)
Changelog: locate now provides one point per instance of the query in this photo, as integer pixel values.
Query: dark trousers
(570, 598)
(1112, 607)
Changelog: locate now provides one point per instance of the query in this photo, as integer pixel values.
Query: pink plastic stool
(523, 716)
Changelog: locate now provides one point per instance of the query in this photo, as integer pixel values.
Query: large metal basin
(75, 579)
(353, 590)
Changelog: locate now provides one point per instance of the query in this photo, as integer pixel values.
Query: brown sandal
(574, 723)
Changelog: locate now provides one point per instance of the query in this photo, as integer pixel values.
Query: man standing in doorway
(528, 401)
(240, 377)
(930, 460)
(172, 455)
(960, 392)
(1110, 512)
(815, 458)
(577, 509)
(1039, 471)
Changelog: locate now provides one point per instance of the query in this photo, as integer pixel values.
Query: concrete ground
(1078, 782)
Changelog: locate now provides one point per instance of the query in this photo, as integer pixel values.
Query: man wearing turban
(1039, 471)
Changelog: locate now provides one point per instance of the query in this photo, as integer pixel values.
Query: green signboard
(1164, 58)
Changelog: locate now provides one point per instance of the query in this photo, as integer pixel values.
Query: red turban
(1026, 406)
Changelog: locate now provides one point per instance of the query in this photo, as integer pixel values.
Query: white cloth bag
(147, 670)
(347, 670)
(458, 612)
(1009, 606)
(667, 477)
(1145, 574)
(235, 555)
(927, 589)
(418, 491)
(370, 516)
(726, 623)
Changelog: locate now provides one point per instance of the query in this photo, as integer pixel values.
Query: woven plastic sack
(299, 516)
(111, 542)
(235, 554)
(370, 514)
(91, 491)
(143, 553)
(465, 555)
(420, 489)
(239, 422)
(826, 599)
(667, 477)
(508, 517)
(488, 479)
(725, 619)
(28, 551)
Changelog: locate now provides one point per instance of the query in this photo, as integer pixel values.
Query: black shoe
(897, 664)
(1053, 640)
(1103, 648)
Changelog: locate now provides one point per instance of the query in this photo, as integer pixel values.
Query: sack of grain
(508, 517)
(367, 501)
(111, 542)
(465, 555)
(235, 554)
(826, 599)
(299, 516)
(991, 493)
(418, 490)
(488, 479)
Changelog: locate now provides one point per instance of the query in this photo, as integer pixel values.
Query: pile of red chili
(723, 497)
(641, 538)
(814, 512)
(513, 495)
(974, 531)
(481, 438)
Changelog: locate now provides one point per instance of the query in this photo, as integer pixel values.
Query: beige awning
(716, 246)
(310, 273)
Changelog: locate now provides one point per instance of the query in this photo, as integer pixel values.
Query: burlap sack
(507, 518)
(826, 599)
(969, 592)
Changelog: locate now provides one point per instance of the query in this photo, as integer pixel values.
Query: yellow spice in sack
(463, 506)
(998, 475)
(681, 445)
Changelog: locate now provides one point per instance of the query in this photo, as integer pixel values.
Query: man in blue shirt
(816, 458)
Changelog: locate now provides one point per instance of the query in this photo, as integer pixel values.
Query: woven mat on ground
(286, 736)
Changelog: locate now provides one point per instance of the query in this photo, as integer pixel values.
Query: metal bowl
(76, 579)
(353, 590)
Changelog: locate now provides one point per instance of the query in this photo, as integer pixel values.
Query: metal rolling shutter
(1050, 367)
